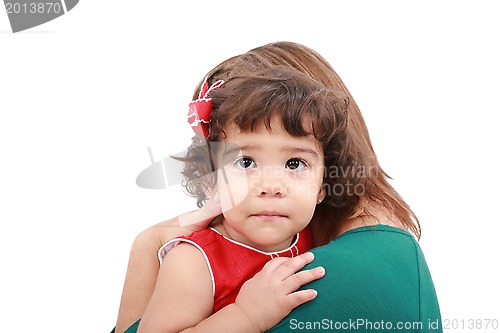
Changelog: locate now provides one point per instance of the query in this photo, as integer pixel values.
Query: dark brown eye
(295, 164)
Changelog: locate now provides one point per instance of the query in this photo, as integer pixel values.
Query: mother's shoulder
(379, 216)
(369, 242)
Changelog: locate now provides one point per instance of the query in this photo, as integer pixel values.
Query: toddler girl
(273, 130)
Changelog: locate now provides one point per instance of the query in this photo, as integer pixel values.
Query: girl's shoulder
(184, 282)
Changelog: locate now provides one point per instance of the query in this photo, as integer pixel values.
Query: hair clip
(200, 109)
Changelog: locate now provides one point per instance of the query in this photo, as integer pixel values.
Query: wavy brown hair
(304, 106)
(377, 192)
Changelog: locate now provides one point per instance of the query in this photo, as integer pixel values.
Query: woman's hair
(352, 159)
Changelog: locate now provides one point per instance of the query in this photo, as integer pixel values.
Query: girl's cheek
(233, 189)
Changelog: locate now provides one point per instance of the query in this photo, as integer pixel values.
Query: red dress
(231, 263)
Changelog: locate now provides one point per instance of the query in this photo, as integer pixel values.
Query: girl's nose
(272, 184)
(272, 192)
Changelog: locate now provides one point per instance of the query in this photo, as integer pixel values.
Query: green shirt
(376, 280)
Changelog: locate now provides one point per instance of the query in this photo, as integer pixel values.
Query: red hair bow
(200, 109)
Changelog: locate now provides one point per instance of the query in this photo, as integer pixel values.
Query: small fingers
(290, 266)
(299, 297)
(299, 279)
(213, 205)
(273, 264)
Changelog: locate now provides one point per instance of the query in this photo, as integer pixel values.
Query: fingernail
(310, 255)
(320, 270)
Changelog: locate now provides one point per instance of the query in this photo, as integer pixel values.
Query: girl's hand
(271, 294)
(184, 224)
(200, 219)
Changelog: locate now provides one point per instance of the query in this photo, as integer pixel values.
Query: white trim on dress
(271, 254)
(172, 243)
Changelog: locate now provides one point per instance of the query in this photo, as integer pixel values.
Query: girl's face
(270, 189)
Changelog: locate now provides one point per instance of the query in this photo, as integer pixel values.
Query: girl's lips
(269, 214)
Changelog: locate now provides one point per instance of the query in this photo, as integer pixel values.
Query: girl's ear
(321, 194)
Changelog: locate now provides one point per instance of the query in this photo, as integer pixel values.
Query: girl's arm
(183, 294)
(143, 263)
(183, 298)
(265, 299)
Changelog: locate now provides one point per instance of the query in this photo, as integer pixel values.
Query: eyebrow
(301, 150)
(236, 149)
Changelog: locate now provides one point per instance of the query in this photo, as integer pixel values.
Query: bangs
(305, 106)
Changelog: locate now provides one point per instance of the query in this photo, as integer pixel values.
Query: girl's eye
(295, 164)
(244, 163)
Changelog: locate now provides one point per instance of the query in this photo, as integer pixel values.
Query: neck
(229, 232)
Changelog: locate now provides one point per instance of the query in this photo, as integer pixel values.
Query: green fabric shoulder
(376, 280)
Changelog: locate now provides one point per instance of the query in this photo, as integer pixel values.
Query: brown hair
(376, 189)
(304, 106)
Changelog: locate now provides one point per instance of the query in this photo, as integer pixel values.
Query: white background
(83, 96)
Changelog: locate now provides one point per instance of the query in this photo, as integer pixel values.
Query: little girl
(274, 130)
